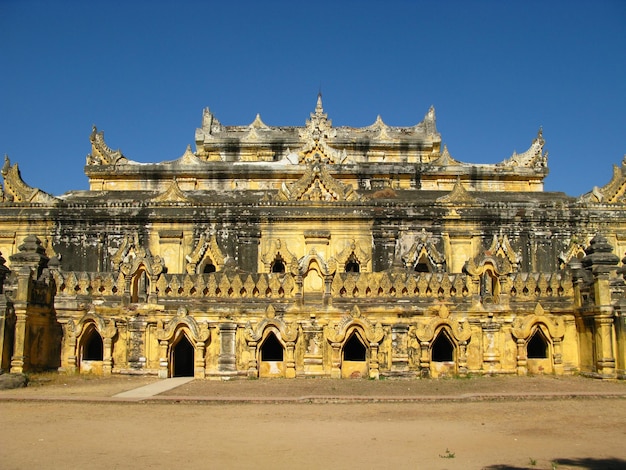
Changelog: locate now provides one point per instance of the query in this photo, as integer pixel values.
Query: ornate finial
(540, 136)
(318, 107)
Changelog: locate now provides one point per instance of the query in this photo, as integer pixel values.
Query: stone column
(313, 354)
(601, 261)
(226, 361)
(20, 360)
(290, 362)
(374, 372)
(399, 349)
(491, 356)
(522, 359)
(424, 359)
(164, 362)
(199, 370)
(335, 362)
(107, 360)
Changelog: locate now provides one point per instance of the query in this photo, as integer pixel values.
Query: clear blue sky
(142, 71)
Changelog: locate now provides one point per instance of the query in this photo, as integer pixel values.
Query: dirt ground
(71, 422)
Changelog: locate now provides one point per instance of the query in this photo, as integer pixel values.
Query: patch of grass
(532, 462)
(448, 455)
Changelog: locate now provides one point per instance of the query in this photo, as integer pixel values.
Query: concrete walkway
(155, 388)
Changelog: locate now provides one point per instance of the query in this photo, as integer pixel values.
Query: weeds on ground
(448, 454)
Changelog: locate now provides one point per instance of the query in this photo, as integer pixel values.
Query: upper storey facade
(259, 157)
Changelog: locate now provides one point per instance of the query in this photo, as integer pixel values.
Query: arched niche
(91, 351)
(182, 356)
(271, 353)
(355, 355)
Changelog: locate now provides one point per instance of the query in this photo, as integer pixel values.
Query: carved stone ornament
(531, 158)
(173, 194)
(101, 153)
(614, 192)
(445, 159)
(131, 256)
(458, 195)
(316, 133)
(317, 184)
(16, 190)
(276, 249)
(287, 332)
(460, 330)
(523, 326)
(338, 332)
(199, 331)
(423, 246)
(206, 247)
(353, 249)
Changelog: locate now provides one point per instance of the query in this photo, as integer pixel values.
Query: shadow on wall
(588, 463)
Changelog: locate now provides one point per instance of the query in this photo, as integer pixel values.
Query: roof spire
(318, 107)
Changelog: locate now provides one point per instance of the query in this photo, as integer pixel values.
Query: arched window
(442, 349)
(271, 349)
(422, 265)
(278, 265)
(537, 347)
(354, 349)
(209, 267)
(352, 265)
(92, 346)
(140, 286)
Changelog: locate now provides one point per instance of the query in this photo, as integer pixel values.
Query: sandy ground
(492, 423)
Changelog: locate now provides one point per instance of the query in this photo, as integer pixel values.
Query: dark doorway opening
(183, 356)
(278, 266)
(208, 268)
(92, 346)
(354, 350)
(537, 347)
(443, 349)
(271, 349)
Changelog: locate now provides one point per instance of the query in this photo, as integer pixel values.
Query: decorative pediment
(421, 246)
(501, 247)
(106, 328)
(173, 194)
(277, 250)
(445, 159)
(206, 247)
(16, 190)
(337, 333)
(327, 268)
(460, 330)
(458, 195)
(500, 256)
(101, 153)
(531, 158)
(286, 332)
(131, 255)
(523, 326)
(317, 184)
(199, 331)
(188, 158)
(576, 249)
(353, 250)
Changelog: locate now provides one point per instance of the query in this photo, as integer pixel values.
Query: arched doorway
(538, 353)
(272, 354)
(182, 358)
(354, 357)
(442, 355)
(91, 351)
